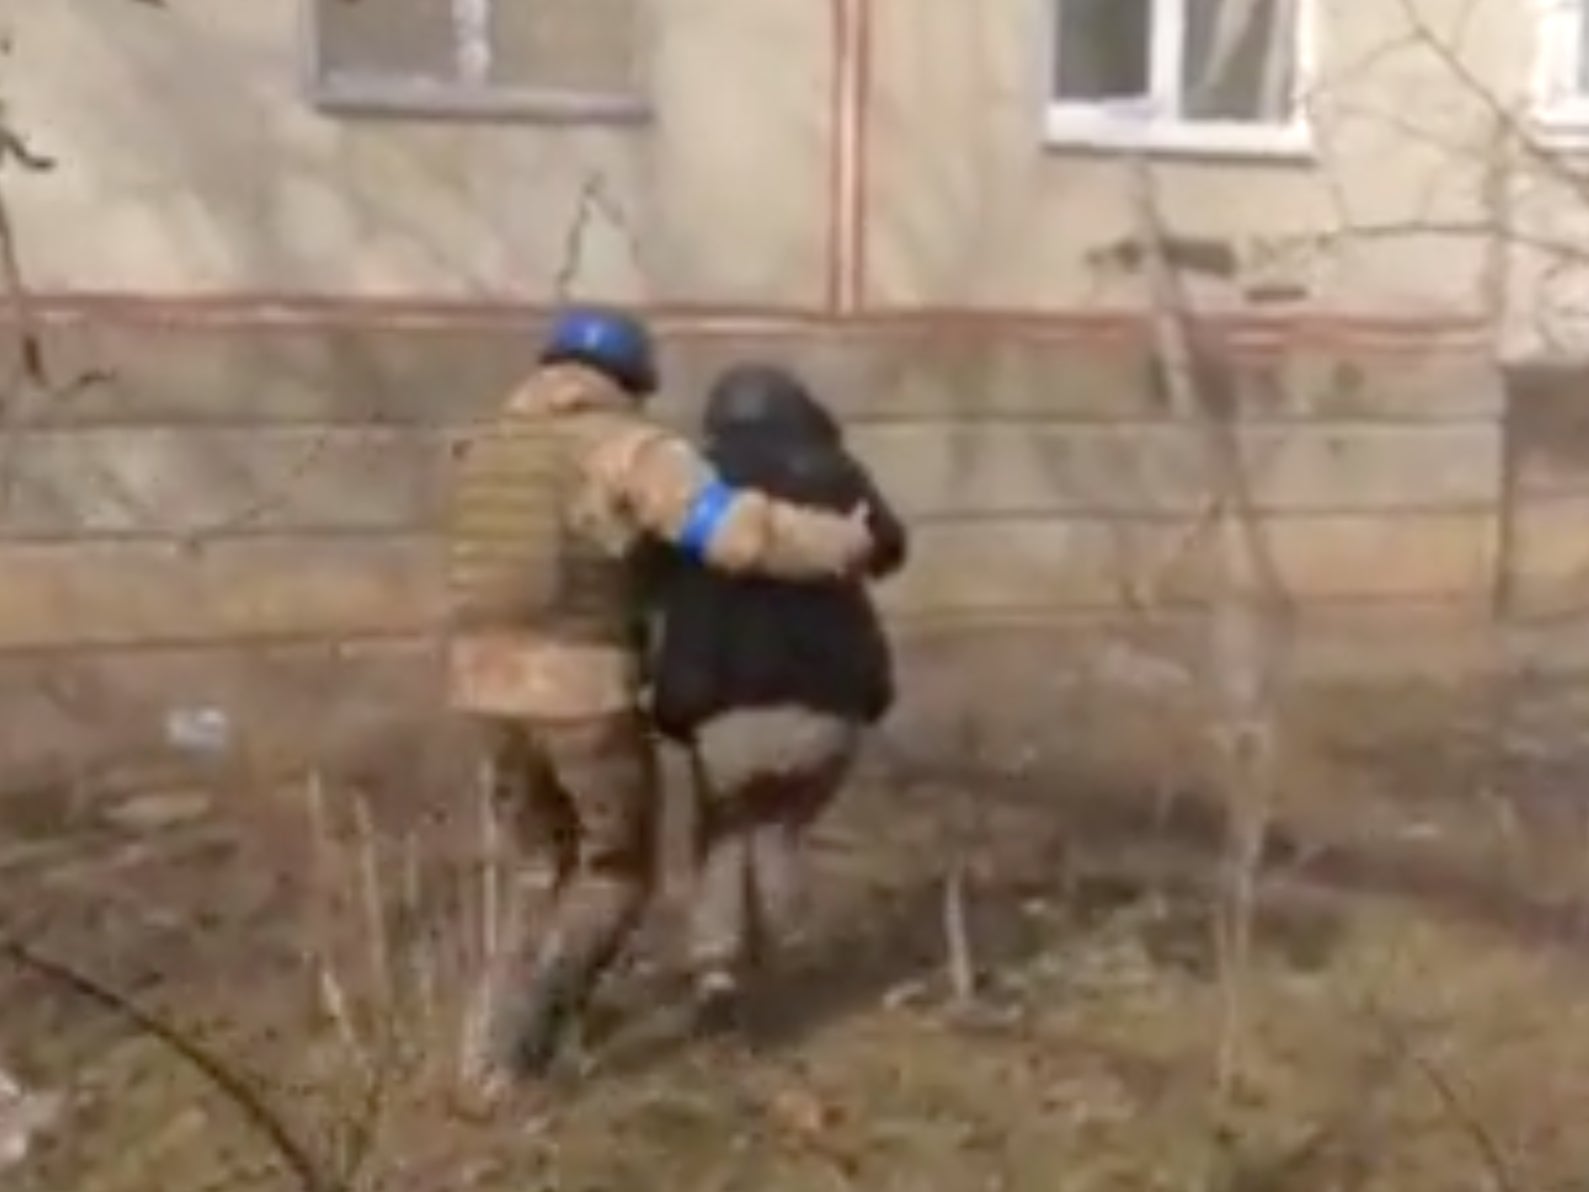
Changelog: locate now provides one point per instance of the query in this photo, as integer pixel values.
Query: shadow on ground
(1049, 855)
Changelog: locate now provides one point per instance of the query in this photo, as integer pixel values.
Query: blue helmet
(615, 344)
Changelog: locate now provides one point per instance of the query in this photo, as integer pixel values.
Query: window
(1562, 67)
(576, 59)
(1199, 75)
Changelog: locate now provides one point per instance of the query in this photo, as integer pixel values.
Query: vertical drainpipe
(846, 247)
(472, 28)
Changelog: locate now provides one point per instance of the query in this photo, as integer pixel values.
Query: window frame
(1134, 125)
(1560, 97)
(471, 96)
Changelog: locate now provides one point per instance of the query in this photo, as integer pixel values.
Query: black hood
(771, 403)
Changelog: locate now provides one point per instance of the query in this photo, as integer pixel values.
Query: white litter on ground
(23, 1115)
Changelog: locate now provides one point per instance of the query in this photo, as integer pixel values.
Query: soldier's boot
(534, 1022)
(591, 923)
(718, 1007)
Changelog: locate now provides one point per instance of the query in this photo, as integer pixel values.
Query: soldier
(770, 684)
(552, 500)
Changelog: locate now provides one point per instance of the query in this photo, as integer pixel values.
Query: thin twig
(1249, 608)
(332, 992)
(305, 1168)
(477, 1010)
(422, 955)
(1456, 1104)
(490, 870)
(374, 902)
(1552, 163)
(364, 1130)
(957, 936)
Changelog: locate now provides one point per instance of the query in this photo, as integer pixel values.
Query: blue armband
(705, 518)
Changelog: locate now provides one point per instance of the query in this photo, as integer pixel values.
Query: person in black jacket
(771, 685)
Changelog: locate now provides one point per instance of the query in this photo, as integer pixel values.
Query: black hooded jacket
(727, 642)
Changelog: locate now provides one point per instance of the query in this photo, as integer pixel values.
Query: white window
(1561, 89)
(575, 59)
(1216, 76)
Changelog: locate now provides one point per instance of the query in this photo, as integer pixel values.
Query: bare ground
(1415, 1016)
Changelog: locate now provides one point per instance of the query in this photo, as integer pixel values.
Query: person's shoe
(718, 1004)
(485, 1094)
(496, 1094)
(515, 1038)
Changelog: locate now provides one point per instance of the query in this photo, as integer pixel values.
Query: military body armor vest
(529, 548)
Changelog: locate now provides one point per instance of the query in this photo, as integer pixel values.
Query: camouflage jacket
(621, 479)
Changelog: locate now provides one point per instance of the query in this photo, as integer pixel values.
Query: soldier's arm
(673, 493)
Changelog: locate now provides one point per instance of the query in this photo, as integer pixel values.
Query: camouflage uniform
(552, 502)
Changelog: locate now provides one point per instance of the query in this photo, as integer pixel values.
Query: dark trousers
(762, 777)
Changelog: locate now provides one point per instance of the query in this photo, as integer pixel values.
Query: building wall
(787, 140)
(190, 160)
(955, 146)
(278, 315)
(243, 515)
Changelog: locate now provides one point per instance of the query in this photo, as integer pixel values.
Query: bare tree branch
(307, 1170)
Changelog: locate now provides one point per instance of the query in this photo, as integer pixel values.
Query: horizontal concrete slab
(95, 721)
(1055, 676)
(100, 593)
(157, 480)
(1548, 557)
(937, 373)
(995, 568)
(108, 593)
(324, 701)
(264, 375)
(992, 467)
(109, 373)
(147, 481)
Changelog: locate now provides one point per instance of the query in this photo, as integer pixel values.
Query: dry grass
(1412, 1018)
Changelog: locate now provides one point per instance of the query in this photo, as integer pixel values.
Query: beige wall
(967, 206)
(190, 161)
(244, 511)
(246, 516)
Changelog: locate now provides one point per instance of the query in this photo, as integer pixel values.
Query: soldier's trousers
(762, 776)
(588, 792)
